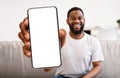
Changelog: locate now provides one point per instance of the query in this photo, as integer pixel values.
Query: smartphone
(44, 37)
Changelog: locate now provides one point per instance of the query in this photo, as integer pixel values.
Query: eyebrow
(74, 16)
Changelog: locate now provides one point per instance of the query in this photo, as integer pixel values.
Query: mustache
(76, 32)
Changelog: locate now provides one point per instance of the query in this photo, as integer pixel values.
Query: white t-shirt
(78, 54)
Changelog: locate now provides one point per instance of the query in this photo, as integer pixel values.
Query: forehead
(76, 13)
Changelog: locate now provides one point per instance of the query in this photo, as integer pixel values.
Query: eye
(79, 18)
(73, 18)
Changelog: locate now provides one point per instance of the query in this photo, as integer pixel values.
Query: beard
(76, 32)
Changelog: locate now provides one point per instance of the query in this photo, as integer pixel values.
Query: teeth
(77, 25)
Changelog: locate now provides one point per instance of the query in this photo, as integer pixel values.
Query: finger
(26, 52)
(25, 22)
(27, 36)
(20, 35)
(24, 33)
(27, 45)
(22, 27)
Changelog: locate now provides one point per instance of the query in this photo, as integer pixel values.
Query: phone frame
(57, 33)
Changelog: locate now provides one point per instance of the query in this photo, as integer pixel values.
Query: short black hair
(73, 9)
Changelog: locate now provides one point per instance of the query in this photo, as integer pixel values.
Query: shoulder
(62, 34)
(93, 41)
(91, 38)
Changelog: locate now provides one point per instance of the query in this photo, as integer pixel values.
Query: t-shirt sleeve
(97, 54)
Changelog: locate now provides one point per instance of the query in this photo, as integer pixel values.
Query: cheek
(69, 21)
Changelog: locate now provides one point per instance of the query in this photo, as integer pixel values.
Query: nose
(77, 21)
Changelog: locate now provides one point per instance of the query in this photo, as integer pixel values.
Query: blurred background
(100, 15)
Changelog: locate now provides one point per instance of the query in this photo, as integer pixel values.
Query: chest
(76, 50)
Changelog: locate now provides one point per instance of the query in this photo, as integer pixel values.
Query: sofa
(14, 64)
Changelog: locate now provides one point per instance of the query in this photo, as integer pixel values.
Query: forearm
(93, 73)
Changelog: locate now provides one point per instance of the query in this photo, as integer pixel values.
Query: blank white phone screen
(44, 37)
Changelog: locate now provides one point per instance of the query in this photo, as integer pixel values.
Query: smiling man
(78, 49)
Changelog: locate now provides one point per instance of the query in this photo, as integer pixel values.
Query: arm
(95, 70)
(62, 35)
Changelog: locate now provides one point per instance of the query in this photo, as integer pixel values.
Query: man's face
(76, 22)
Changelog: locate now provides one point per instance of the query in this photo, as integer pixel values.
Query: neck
(78, 36)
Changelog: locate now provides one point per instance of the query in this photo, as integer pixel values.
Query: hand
(86, 76)
(25, 36)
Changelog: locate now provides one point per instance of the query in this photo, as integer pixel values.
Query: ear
(67, 21)
(84, 20)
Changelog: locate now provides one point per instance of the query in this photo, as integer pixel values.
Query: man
(78, 49)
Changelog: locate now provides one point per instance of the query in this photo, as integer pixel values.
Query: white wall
(97, 13)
